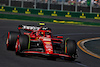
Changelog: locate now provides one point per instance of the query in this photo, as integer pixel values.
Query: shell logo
(47, 43)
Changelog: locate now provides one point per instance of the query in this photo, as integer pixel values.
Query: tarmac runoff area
(90, 46)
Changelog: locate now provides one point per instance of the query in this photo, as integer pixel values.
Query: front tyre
(71, 48)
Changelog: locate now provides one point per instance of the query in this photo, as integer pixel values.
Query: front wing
(43, 53)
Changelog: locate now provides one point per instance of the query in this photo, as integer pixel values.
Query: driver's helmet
(41, 33)
(41, 24)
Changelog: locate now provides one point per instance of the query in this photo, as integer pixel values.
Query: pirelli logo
(2, 9)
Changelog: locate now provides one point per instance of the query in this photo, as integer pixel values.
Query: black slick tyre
(70, 48)
(24, 42)
(11, 40)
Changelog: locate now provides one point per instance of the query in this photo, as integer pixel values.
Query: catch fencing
(92, 6)
(47, 7)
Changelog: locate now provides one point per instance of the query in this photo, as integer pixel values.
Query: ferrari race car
(38, 40)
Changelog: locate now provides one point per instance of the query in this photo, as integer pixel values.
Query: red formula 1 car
(40, 41)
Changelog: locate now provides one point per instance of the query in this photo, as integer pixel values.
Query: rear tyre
(11, 40)
(24, 42)
(70, 48)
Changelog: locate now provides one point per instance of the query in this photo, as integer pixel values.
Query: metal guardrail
(63, 5)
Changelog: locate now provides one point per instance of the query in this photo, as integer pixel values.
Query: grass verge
(29, 18)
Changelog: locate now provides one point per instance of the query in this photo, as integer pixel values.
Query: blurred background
(92, 6)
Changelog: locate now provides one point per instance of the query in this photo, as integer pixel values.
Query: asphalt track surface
(9, 59)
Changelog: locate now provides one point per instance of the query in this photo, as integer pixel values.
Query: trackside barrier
(50, 12)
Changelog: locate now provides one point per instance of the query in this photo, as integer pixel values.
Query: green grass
(29, 18)
(20, 17)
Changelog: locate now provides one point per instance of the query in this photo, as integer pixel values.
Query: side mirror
(60, 37)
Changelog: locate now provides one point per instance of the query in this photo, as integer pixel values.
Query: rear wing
(28, 27)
